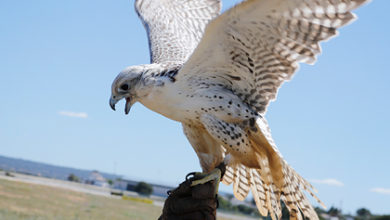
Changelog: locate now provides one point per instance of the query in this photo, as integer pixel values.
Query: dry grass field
(19, 200)
(29, 201)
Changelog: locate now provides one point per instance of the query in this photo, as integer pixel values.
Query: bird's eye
(124, 87)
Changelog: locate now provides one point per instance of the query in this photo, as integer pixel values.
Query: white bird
(216, 74)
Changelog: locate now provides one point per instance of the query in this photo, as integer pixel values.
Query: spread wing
(257, 45)
(175, 27)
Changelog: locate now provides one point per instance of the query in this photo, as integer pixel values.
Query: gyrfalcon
(216, 74)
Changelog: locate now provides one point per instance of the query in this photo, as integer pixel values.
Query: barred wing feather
(255, 46)
(175, 27)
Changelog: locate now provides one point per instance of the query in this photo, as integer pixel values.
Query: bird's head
(125, 87)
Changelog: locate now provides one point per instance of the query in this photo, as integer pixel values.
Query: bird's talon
(216, 175)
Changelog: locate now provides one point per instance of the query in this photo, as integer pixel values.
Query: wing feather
(175, 27)
(256, 46)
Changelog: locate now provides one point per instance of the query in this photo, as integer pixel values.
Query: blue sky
(58, 59)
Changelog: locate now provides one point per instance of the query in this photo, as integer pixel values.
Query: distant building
(95, 178)
(329, 217)
(123, 184)
(129, 185)
(160, 190)
(349, 217)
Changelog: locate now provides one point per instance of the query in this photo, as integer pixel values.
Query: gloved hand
(191, 203)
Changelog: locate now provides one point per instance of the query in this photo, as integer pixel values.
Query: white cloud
(73, 114)
(330, 182)
(385, 191)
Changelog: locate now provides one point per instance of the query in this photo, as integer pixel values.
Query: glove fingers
(188, 204)
(204, 191)
(191, 203)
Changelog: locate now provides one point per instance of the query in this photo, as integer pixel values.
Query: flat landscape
(23, 200)
(20, 200)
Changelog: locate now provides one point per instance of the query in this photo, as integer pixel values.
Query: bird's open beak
(128, 104)
(112, 103)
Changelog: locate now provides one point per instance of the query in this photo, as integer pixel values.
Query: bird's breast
(172, 105)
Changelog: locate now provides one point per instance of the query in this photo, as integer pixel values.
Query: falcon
(217, 73)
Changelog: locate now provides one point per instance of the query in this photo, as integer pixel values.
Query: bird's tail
(273, 182)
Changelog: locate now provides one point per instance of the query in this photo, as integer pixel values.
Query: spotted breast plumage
(216, 74)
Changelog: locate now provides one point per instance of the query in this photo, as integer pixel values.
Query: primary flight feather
(216, 74)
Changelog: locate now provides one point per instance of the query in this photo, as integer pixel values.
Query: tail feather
(294, 177)
(274, 181)
(267, 179)
(241, 183)
(275, 201)
(268, 202)
(258, 192)
(228, 177)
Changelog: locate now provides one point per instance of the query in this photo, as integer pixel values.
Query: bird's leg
(215, 175)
